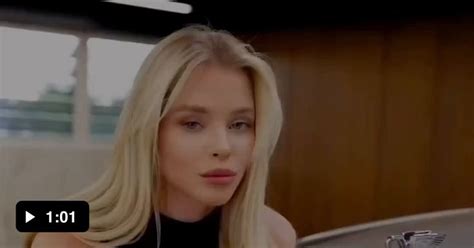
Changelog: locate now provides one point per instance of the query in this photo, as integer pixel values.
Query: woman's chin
(216, 198)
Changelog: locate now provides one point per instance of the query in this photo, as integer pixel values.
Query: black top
(176, 234)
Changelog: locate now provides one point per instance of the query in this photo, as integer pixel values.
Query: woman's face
(207, 137)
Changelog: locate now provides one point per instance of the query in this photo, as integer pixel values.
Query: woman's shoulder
(57, 240)
(281, 230)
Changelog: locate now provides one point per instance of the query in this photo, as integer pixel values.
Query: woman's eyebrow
(204, 110)
(243, 110)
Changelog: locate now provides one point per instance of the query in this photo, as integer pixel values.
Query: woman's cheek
(245, 147)
(190, 143)
(248, 141)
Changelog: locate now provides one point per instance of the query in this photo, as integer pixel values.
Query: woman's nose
(221, 147)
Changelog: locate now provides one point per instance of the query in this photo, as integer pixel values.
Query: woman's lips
(219, 176)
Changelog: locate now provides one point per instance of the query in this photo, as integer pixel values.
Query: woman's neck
(182, 207)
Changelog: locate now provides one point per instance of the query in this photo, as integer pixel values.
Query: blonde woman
(191, 158)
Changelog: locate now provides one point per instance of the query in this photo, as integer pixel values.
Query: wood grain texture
(379, 121)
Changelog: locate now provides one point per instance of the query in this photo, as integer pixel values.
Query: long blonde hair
(121, 201)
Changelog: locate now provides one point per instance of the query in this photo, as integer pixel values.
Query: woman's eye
(240, 125)
(193, 125)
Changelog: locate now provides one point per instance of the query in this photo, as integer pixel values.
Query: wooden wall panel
(404, 150)
(452, 177)
(325, 157)
(379, 122)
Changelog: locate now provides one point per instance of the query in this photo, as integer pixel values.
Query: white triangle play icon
(28, 217)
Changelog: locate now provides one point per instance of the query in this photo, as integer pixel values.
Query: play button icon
(28, 217)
